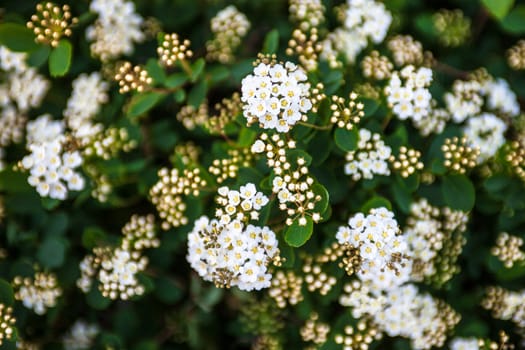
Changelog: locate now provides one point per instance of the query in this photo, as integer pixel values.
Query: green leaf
(198, 94)
(167, 290)
(176, 80)
(6, 293)
(196, 69)
(458, 192)
(92, 237)
(514, 22)
(96, 300)
(246, 137)
(60, 58)
(39, 57)
(142, 103)
(271, 42)
(17, 37)
(218, 74)
(155, 71)
(51, 252)
(296, 235)
(376, 202)
(498, 8)
(346, 140)
(322, 204)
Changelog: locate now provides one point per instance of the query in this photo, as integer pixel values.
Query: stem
(317, 127)
(186, 67)
(449, 70)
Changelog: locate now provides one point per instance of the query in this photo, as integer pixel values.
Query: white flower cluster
(465, 100)
(276, 96)
(230, 252)
(428, 229)
(364, 20)
(89, 93)
(371, 157)
(242, 205)
(51, 168)
(501, 98)
(80, 336)
(21, 89)
(381, 249)
(464, 344)
(407, 93)
(487, 133)
(117, 269)
(38, 293)
(402, 311)
(229, 26)
(292, 183)
(116, 30)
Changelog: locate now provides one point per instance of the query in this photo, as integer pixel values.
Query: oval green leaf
(346, 140)
(498, 8)
(60, 59)
(297, 235)
(17, 37)
(140, 104)
(458, 192)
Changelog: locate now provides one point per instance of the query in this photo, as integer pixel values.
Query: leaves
(458, 192)
(498, 8)
(296, 234)
(60, 59)
(514, 22)
(52, 251)
(346, 140)
(142, 103)
(271, 42)
(17, 37)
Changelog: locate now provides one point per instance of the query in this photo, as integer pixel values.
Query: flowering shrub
(302, 174)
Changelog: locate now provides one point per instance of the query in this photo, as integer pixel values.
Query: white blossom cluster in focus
(116, 269)
(408, 94)
(38, 293)
(370, 158)
(276, 96)
(485, 132)
(501, 98)
(51, 168)
(116, 29)
(229, 251)
(382, 249)
(232, 254)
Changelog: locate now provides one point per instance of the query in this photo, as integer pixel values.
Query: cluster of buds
(51, 22)
(307, 15)
(452, 27)
(192, 117)
(102, 187)
(228, 168)
(465, 100)
(132, 78)
(314, 331)
(346, 115)
(116, 269)
(306, 46)
(376, 66)
(7, 323)
(515, 157)
(12, 126)
(266, 342)
(315, 278)
(359, 336)
(435, 236)
(188, 153)
(261, 317)
(407, 161)
(229, 26)
(506, 304)
(286, 288)
(173, 49)
(516, 56)
(459, 157)
(108, 143)
(167, 194)
(226, 112)
(507, 249)
(292, 183)
(38, 293)
(405, 50)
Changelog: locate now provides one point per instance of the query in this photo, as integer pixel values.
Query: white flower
(370, 157)
(485, 132)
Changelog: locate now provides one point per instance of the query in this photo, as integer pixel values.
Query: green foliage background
(179, 310)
